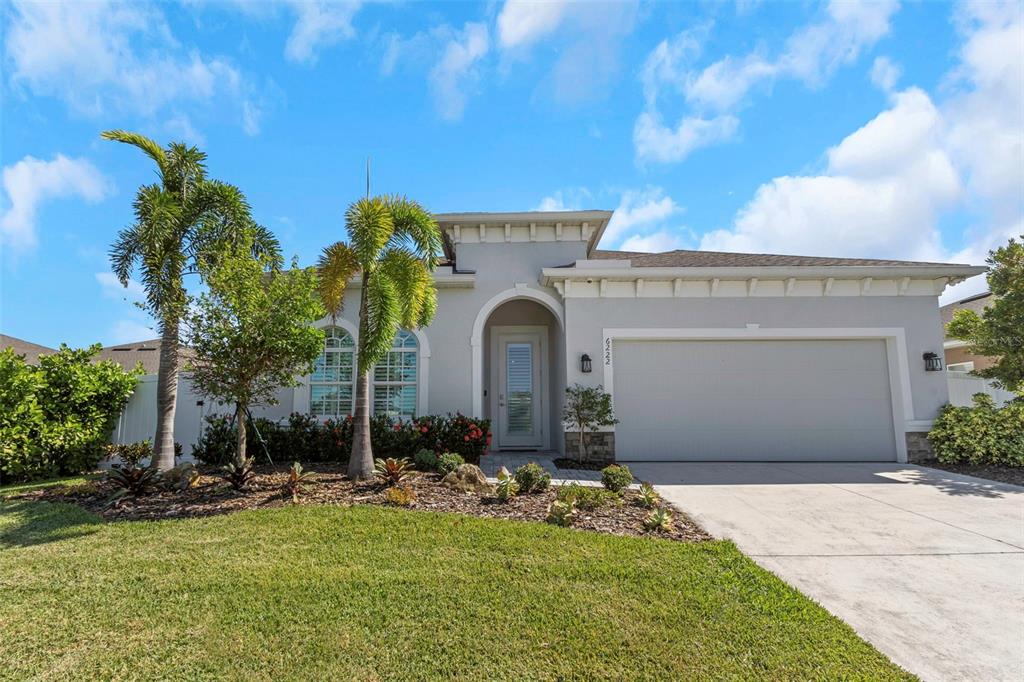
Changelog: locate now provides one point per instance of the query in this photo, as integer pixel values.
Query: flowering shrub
(305, 438)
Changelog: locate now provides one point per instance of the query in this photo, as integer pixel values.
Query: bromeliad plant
(561, 513)
(649, 497)
(659, 520)
(392, 471)
(393, 247)
(239, 475)
(133, 481)
(507, 486)
(297, 481)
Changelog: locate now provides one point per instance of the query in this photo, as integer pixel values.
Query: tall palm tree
(393, 244)
(180, 220)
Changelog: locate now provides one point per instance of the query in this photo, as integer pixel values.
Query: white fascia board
(444, 278)
(596, 220)
(550, 275)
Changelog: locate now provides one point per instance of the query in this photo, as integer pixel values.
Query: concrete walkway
(493, 461)
(926, 565)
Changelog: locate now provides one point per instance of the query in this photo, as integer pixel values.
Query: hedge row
(982, 434)
(306, 439)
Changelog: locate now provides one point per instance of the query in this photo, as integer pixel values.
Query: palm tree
(393, 243)
(179, 221)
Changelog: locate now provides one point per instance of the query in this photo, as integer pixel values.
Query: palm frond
(415, 228)
(148, 146)
(126, 249)
(337, 264)
(383, 315)
(369, 226)
(412, 281)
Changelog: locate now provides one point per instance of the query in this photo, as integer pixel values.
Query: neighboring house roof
(719, 259)
(146, 352)
(30, 350)
(976, 303)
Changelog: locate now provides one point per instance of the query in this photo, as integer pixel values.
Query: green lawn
(377, 593)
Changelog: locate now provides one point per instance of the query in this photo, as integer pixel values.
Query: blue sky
(873, 129)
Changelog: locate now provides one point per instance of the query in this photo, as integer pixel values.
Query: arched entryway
(520, 376)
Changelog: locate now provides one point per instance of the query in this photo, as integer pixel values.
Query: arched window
(330, 385)
(394, 378)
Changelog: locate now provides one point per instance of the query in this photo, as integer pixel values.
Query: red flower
(465, 438)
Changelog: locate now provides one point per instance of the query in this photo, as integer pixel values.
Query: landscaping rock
(181, 477)
(468, 478)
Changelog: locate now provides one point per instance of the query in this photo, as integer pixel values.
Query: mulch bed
(212, 495)
(1014, 475)
(565, 463)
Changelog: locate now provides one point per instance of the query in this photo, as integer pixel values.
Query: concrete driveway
(926, 565)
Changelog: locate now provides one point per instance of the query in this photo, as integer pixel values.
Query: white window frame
(962, 367)
(350, 384)
(301, 394)
(396, 348)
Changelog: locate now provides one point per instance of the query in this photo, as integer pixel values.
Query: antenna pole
(367, 177)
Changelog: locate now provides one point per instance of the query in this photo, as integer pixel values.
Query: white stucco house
(707, 356)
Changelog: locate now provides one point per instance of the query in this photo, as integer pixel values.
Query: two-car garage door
(753, 400)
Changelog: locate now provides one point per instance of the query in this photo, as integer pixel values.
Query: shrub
(507, 485)
(587, 497)
(616, 478)
(392, 471)
(239, 476)
(56, 418)
(400, 495)
(659, 520)
(561, 513)
(649, 497)
(297, 481)
(532, 478)
(130, 454)
(449, 462)
(982, 434)
(132, 481)
(426, 460)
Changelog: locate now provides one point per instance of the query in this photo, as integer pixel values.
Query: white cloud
(112, 288)
(456, 72)
(887, 185)
(524, 22)
(654, 243)
(880, 195)
(656, 142)
(812, 54)
(31, 181)
(587, 37)
(565, 200)
(106, 58)
(319, 24)
(180, 126)
(885, 73)
(639, 209)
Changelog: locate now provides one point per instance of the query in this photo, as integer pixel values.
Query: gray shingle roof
(718, 259)
(976, 303)
(147, 352)
(30, 350)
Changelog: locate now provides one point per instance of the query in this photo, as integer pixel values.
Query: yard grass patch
(376, 593)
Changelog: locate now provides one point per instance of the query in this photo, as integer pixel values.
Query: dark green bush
(532, 478)
(616, 478)
(982, 434)
(56, 418)
(426, 460)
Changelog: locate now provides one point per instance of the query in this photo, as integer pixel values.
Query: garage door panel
(805, 400)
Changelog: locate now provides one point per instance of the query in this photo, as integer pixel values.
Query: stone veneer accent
(918, 447)
(600, 446)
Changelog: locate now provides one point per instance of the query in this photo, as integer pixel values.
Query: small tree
(251, 333)
(586, 409)
(999, 331)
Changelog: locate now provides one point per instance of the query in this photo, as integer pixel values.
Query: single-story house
(31, 351)
(707, 356)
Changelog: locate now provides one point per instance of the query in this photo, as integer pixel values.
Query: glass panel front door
(519, 369)
(520, 400)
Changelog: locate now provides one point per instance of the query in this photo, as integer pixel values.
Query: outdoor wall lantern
(585, 364)
(932, 362)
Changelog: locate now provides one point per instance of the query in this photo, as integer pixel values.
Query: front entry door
(520, 399)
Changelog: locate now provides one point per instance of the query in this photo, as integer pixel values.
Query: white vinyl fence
(963, 386)
(138, 420)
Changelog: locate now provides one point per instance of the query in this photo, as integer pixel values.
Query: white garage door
(814, 400)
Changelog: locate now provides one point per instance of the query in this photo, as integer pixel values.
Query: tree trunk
(360, 463)
(584, 437)
(240, 450)
(166, 397)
